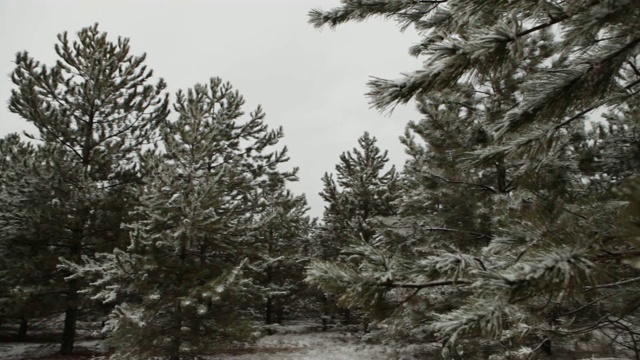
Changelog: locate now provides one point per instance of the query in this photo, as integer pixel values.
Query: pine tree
(362, 193)
(550, 252)
(96, 110)
(279, 251)
(179, 284)
(23, 294)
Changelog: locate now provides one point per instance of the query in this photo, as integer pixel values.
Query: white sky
(311, 82)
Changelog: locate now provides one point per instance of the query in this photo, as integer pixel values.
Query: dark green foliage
(361, 192)
(507, 214)
(95, 111)
(361, 195)
(213, 212)
(279, 252)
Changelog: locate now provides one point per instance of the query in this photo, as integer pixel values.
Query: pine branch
(442, 229)
(598, 324)
(633, 66)
(613, 285)
(391, 284)
(449, 181)
(553, 21)
(585, 306)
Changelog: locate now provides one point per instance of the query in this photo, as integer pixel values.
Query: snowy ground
(295, 341)
(32, 350)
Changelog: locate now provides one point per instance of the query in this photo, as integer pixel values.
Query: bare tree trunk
(269, 305)
(176, 341)
(71, 311)
(70, 319)
(502, 176)
(347, 316)
(546, 346)
(22, 331)
(269, 311)
(280, 314)
(325, 312)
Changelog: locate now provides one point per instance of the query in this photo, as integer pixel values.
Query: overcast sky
(311, 82)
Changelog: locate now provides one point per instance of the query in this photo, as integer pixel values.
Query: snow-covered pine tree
(552, 268)
(96, 108)
(179, 284)
(362, 192)
(279, 251)
(31, 212)
(26, 293)
(443, 215)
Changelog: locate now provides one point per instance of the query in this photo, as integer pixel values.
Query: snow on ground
(23, 350)
(315, 346)
(11, 351)
(305, 342)
(299, 341)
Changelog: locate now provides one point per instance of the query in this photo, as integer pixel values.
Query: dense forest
(511, 232)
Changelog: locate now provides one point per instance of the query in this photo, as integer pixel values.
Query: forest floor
(291, 341)
(297, 340)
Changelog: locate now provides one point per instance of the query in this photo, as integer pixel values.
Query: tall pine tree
(179, 285)
(550, 266)
(25, 293)
(362, 193)
(95, 109)
(279, 251)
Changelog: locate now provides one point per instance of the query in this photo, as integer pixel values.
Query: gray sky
(311, 82)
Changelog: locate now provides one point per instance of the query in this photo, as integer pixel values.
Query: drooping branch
(391, 284)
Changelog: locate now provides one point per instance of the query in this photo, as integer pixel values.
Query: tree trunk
(501, 176)
(70, 318)
(269, 306)
(347, 316)
(269, 311)
(71, 311)
(280, 314)
(546, 346)
(325, 313)
(22, 331)
(203, 255)
(176, 340)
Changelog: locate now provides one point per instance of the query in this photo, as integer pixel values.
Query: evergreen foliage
(213, 192)
(508, 212)
(362, 193)
(279, 252)
(26, 293)
(512, 231)
(95, 110)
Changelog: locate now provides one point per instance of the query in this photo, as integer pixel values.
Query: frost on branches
(361, 192)
(179, 285)
(95, 109)
(508, 225)
(278, 253)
